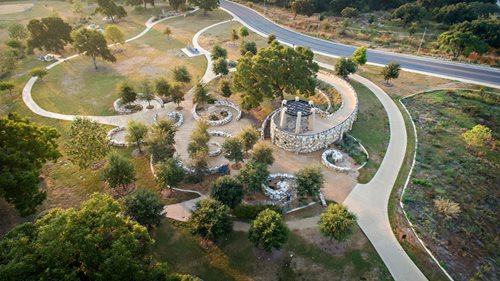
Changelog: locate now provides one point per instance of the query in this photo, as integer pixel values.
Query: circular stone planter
(176, 116)
(116, 136)
(220, 122)
(218, 146)
(217, 151)
(336, 156)
(120, 108)
(285, 184)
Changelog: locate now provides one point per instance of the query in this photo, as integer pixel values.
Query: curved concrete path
(368, 201)
(116, 120)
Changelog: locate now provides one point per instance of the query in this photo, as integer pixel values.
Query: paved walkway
(369, 201)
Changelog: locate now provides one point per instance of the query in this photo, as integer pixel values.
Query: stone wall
(227, 119)
(111, 140)
(310, 142)
(336, 156)
(176, 115)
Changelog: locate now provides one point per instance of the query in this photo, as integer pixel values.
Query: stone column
(297, 123)
(312, 119)
(283, 117)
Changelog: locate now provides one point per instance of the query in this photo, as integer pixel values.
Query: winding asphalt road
(463, 72)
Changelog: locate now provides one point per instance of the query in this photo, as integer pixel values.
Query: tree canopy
(253, 175)
(145, 207)
(114, 34)
(233, 150)
(248, 47)
(136, 132)
(218, 52)
(337, 222)
(268, 230)
(95, 242)
(161, 139)
(93, 44)
(211, 219)
(409, 12)
(87, 142)
(359, 56)
(458, 43)
(274, 71)
(249, 137)
(110, 9)
(127, 93)
(17, 31)
(303, 7)
(119, 171)
(227, 190)
(200, 95)
(225, 88)
(24, 148)
(344, 67)
(220, 67)
(487, 30)
(206, 5)
(162, 87)
(391, 71)
(50, 34)
(181, 74)
(262, 153)
(169, 173)
(309, 181)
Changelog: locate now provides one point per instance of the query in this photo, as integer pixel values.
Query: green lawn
(235, 258)
(371, 129)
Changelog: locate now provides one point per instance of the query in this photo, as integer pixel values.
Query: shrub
(211, 219)
(447, 207)
(422, 182)
(250, 212)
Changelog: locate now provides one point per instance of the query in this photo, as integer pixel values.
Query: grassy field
(221, 35)
(371, 129)
(75, 87)
(465, 245)
(235, 258)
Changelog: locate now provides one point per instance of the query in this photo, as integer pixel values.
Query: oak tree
(337, 222)
(95, 242)
(50, 34)
(119, 172)
(24, 148)
(110, 9)
(268, 230)
(93, 44)
(309, 181)
(145, 207)
(169, 173)
(136, 132)
(227, 190)
(210, 219)
(87, 142)
(274, 71)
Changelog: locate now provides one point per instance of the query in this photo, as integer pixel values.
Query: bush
(422, 182)
(250, 212)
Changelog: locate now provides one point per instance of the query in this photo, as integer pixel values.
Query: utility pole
(422, 40)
